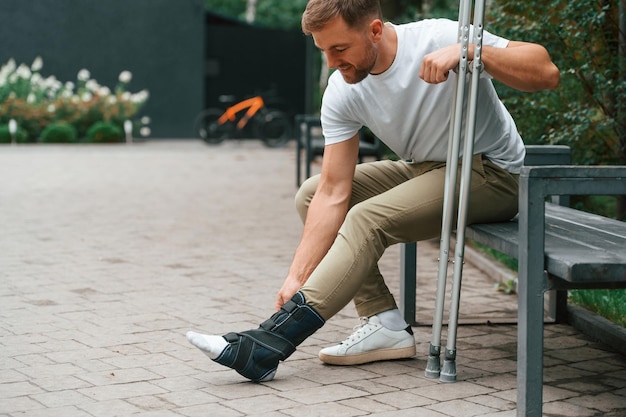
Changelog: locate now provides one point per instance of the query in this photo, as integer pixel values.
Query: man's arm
(521, 65)
(325, 215)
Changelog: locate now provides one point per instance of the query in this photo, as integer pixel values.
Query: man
(394, 79)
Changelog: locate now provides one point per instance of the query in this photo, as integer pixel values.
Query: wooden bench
(314, 144)
(557, 248)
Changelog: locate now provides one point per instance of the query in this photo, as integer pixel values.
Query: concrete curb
(491, 267)
(587, 322)
(597, 327)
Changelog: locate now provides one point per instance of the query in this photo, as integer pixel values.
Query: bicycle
(272, 126)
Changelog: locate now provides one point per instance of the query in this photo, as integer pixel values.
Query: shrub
(35, 101)
(59, 132)
(587, 111)
(5, 135)
(104, 132)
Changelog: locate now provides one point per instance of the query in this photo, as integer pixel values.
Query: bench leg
(532, 285)
(408, 274)
(530, 347)
(556, 303)
(299, 155)
(561, 307)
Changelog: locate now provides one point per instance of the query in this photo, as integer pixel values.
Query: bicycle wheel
(209, 129)
(274, 128)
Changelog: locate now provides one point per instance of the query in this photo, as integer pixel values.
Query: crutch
(461, 97)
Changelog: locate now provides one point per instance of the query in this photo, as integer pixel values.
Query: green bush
(5, 135)
(104, 132)
(587, 111)
(35, 101)
(60, 132)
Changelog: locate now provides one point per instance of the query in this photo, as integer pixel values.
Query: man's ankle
(392, 320)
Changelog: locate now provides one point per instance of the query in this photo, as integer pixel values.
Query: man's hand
(289, 289)
(437, 65)
(521, 65)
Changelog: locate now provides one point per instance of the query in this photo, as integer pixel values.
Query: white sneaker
(370, 342)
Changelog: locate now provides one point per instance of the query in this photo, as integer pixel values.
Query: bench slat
(499, 236)
(578, 245)
(593, 222)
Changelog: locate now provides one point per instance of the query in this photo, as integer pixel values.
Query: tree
(234, 8)
(278, 14)
(587, 111)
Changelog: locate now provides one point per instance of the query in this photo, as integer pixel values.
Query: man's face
(351, 51)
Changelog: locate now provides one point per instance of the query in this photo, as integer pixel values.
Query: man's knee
(305, 195)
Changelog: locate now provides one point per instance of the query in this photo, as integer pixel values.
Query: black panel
(159, 41)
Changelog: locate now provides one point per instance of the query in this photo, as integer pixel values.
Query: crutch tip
(433, 368)
(448, 373)
(431, 374)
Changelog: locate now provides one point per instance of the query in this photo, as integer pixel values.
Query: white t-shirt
(411, 116)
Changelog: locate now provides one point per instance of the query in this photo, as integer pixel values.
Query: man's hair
(354, 12)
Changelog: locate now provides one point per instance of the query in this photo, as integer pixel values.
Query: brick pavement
(109, 254)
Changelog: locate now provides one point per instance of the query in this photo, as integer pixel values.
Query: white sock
(211, 345)
(392, 320)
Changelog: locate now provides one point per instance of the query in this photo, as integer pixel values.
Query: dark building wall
(243, 60)
(160, 41)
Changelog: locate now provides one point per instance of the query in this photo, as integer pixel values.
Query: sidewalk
(109, 254)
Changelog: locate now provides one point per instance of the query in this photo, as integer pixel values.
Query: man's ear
(376, 30)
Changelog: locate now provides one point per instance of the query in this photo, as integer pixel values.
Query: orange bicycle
(214, 125)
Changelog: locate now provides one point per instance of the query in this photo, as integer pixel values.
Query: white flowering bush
(35, 101)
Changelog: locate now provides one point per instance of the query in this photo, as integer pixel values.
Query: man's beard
(364, 69)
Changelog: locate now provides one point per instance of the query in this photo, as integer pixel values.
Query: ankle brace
(255, 353)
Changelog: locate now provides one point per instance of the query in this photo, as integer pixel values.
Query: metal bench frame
(544, 263)
(608, 270)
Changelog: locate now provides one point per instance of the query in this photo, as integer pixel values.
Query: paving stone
(19, 405)
(110, 408)
(121, 391)
(325, 409)
(150, 402)
(565, 409)
(492, 402)
(19, 389)
(510, 413)
(606, 401)
(216, 410)
(446, 392)
(69, 411)
(63, 398)
(410, 412)
(367, 404)
(461, 408)
(260, 404)
(189, 398)
(322, 394)
(402, 399)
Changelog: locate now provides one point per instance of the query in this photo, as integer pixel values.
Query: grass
(610, 304)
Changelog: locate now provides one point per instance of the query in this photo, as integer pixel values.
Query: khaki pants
(394, 202)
